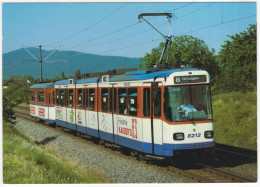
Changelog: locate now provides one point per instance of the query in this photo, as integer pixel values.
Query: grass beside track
(235, 119)
(25, 162)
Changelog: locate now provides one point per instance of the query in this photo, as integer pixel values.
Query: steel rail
(234, 177)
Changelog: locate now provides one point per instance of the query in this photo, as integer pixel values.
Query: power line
(116, 40)
(102, 19)
(102, 36)
(195, 11)
(130, 46)
(179, 7)
(217, 24)
(210, 26)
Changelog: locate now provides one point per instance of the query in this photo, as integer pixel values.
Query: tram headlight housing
(178, 136)
(209, 134)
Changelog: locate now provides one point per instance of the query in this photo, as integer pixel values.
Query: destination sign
(190, 79)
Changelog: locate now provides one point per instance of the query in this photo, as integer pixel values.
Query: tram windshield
(187, 103)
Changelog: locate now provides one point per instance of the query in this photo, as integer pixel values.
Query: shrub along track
(197, 172)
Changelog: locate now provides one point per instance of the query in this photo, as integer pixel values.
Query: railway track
(199, 172)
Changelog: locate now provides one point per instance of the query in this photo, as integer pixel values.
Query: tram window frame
(40, 95)
(66, 102)
(49, 98)
(53, 97)
(46, 98)
(146, 102)
(80, 98)
(157, 100)
(70, 98)
(115, 100)
(92, 99)
(104, 100)
(122, 108)
(86, 101)
(32, 96)
(62, 97)
(58, 103)
(110, 96)
(83, 98)
(132, 101)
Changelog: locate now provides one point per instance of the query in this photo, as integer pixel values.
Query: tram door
(106, 122)
(48, 103)
(46, 115)
(70, 109)
(152, 123)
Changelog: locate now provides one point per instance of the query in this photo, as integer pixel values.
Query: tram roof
(65, 82)
(42, 86)
(128, 76)
(145, 75)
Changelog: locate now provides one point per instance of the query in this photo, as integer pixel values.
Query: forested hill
(13, 63)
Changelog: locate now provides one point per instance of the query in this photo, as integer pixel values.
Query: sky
(114, 29)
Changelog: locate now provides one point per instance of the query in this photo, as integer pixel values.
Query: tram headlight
(209, 134)
(178, 136)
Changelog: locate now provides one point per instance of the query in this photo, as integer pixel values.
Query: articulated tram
(156, 112)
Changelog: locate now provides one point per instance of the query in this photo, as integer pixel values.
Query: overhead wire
(210, 26)
(102, 36)
(125, 37)
(142, 43)
(102, 19)
(131, 25)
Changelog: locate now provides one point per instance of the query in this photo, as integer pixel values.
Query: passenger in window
(133, 104)
(122, 105)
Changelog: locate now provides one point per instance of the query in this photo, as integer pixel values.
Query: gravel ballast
(114, 165)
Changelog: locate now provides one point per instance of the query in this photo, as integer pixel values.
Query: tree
(77, 74)
(12, 96)
(63, 76)
(185, 50)
(238, 62)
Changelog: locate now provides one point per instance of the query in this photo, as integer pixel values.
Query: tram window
(104, 100)
(91, 99)
(32, 94)
(61, 97)
(132, 101)
(122, 101)
(146, 104)
(70, 98)
(80, 98)
(66, 97)
(46, 98)
(85, 101)
(58, 97)
(110, 100)
(53, 97)
(49, 98)
(157, 102)
(41, 97)
(115, 96)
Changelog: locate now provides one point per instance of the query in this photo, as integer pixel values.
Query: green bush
(12, 96)
(235, 119)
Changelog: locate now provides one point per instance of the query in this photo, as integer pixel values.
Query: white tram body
(119, 109)
(41, 104)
